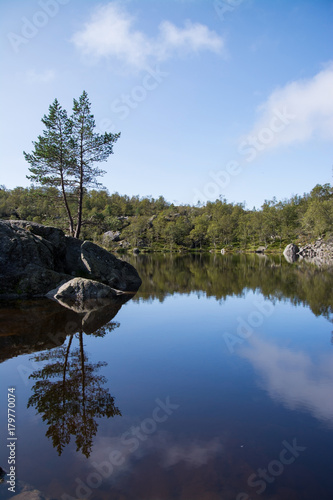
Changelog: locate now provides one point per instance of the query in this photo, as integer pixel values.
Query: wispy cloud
(308, 101)
(111, 33)
(46, 76)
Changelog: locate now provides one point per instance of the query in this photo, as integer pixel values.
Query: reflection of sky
(169, 450)
(292, 377)
(176, 349)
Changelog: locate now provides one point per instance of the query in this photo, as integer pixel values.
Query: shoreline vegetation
(121, 223)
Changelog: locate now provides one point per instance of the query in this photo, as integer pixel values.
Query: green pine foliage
(65, 156)
(155, 224)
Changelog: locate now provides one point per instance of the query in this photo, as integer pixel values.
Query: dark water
(214, 382)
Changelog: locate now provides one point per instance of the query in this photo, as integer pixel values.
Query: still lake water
(214, 382)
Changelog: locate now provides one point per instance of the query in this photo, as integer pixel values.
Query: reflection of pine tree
(68, 393)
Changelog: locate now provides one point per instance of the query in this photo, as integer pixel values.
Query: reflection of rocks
(32, 326)
(25, 491)
(94, 320)
(30, 495)
(290, 253)
(35, 259)
(36, 325)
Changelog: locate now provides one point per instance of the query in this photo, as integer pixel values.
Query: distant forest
(155, 224)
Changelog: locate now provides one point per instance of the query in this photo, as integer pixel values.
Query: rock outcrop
(261, 249)
(35, 259)
(101, 265)
(320, 252)
(290, 253)
(110, 236)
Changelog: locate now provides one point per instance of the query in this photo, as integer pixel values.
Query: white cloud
(111, 33)
(192, 38)
(46, 76)
(308, 103)
(293, 378)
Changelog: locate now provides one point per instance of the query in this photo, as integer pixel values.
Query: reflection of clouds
(105, 445)
(167, 450)
(193, 454)
(293, 378)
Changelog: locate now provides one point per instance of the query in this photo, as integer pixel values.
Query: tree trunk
(79, 212)
(70, 218)
(79, 208)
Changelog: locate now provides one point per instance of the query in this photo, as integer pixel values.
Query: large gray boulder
(320, 252)
(291, 253)
(81, 295)
(101, 265)
(110, 236)
(261, 249)
(35, 259)
(31, 258)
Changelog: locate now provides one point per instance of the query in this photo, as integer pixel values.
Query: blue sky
(212, 97)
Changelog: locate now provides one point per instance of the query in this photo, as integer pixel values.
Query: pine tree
(51, 161)
(65, 155)
(88, 148)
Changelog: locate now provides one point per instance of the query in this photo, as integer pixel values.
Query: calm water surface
(214, 382)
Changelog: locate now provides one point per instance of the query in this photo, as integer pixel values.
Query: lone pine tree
(66, 154)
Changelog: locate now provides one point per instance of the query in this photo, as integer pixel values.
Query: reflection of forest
(224, 275)
(69, 394)
(68, 390)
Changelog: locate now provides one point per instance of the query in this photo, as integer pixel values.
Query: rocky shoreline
(319, 253)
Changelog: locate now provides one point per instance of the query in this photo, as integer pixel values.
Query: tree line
(158, 225)
(65, 193)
